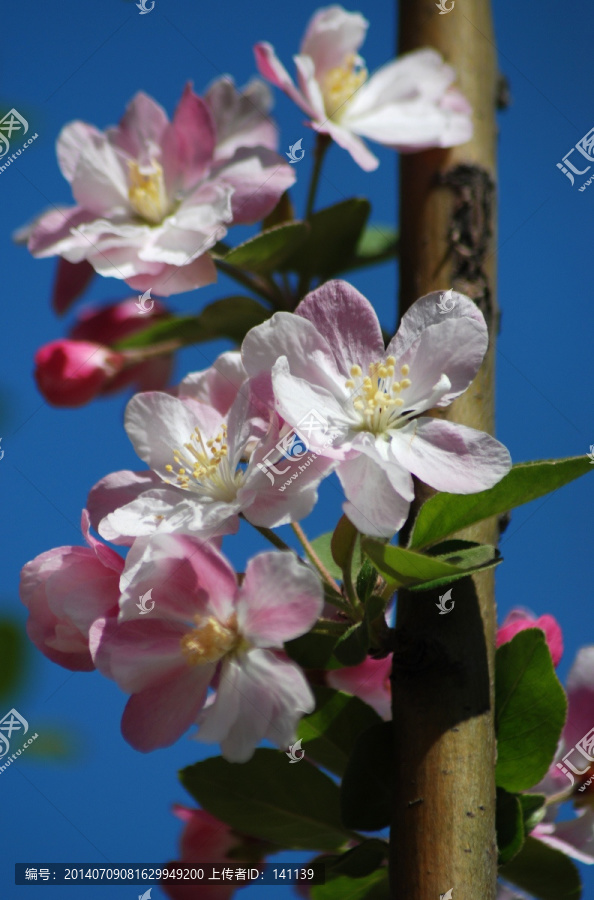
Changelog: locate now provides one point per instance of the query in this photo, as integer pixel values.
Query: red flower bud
(70, 373)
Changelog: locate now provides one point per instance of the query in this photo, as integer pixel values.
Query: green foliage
(267, 251)
(371, 887)
(377, 244)
(332, 241)
(402, 567)
(510, 826)
(292, 806)
(444, 514)
(530, 710)
(366, 791)
(231, 317)
(329, 734)
(13, 655)
(544, 872)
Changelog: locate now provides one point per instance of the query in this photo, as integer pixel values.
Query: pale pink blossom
(370, 681)
(206, 633)
(330, 357)
(154, 196)
(519, 619)
(408, 104)
(207, 468)
(68, 591)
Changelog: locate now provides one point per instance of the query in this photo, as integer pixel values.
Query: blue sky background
(84, 61)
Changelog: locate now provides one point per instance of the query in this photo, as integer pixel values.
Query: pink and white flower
(408, 104)
(519, 619)
(207, 468)
(69, 591)
(208, 634)
(329, 356)
(154, 196)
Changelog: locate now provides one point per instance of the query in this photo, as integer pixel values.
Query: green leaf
(509, 825)
(329, 733)
(351, 648)
(533, 810)
(444, 514)
(407, 568)
(294, 806)
(366, 580)
(231, 317)
(335, 233)
(13, 649)
(343, 542)
(269, 249)
(544, 872)
(467, 556)
(362, 860)
(377, 244)
(282, 212)
(366, 791)
(530, 710)
(312, 650)
(372, 887)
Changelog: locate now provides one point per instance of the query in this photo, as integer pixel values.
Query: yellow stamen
(147, 192)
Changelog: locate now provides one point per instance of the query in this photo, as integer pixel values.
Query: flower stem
(323, 141)
(270, 536)
(263, 287)
(311, 553)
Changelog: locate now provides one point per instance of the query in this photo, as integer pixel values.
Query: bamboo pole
(443, 826)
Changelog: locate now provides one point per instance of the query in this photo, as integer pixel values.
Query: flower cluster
(315, 391)
(211, 652)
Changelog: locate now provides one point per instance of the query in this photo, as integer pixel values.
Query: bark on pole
(443, 826)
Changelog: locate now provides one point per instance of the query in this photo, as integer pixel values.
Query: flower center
(339, 84)
(210, 641)
(147, 191)
(205, 465)
(376, 396)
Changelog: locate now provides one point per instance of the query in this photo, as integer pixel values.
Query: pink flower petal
(265, 619)
(161, 714)
(347, 321)
(450, 457)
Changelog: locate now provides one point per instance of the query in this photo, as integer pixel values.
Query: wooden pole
(443, 827)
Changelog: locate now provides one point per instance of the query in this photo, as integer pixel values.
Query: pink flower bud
(519, 619)
(70, 373)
